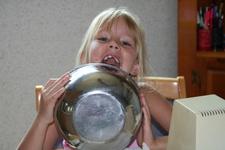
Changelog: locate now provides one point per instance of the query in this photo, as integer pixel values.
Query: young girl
(114, 37)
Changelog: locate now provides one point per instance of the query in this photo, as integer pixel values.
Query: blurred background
(39, 40)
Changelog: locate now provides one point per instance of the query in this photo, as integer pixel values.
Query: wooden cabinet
(204, 71)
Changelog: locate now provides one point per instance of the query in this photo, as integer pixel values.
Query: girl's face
(116, 47)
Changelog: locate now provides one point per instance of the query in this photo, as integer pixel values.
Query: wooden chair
(171, 88)
(38, 89)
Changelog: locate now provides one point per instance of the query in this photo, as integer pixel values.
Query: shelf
(211, 54)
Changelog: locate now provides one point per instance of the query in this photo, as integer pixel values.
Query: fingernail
(68, 76)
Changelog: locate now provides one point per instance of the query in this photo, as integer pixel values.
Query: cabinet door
(216, 82)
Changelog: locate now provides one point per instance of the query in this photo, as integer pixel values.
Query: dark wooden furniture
(204, 71)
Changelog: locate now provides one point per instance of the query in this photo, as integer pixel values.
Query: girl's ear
(135, 70)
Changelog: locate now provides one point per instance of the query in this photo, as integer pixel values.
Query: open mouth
(111, 60)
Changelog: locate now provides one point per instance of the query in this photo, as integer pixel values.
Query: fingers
(57, 84)
(58, 94)
(50, 82)
(140, 136)
(146, 117)
(55, 88)
(144, 133)
(52, 91)
(144, 104)
(146, 124)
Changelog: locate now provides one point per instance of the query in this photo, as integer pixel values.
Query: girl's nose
(113, 45)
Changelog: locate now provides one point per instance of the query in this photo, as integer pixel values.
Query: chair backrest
(171, 88)
(38, 90)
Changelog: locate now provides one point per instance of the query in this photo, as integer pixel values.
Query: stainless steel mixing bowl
(100, 109)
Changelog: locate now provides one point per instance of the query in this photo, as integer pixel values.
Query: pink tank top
(67, 147)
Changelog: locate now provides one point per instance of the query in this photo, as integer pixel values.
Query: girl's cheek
(92, 52)
(94, 57)
(93, 46)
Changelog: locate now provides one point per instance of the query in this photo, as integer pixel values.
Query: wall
(39, 39)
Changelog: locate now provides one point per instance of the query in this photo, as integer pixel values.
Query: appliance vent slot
(220, 111)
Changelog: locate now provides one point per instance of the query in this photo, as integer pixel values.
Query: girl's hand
(49, 96)
(145, 134)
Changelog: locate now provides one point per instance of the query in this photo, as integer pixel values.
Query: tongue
(111, 61)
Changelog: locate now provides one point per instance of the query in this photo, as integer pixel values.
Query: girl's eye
(126, 43)
(102, 39)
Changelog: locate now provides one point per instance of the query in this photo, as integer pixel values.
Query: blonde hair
(109, 16)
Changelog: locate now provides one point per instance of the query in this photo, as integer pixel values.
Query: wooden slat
(38, 89)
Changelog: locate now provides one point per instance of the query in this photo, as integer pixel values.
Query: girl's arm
(34, 138)
(160, 108)
(36, 135)
(51, 137)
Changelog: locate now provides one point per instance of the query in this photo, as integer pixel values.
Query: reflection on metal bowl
(100, 109)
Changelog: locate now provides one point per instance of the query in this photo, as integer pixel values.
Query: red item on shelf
(204, 39)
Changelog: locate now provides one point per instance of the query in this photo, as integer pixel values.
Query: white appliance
(198, 123)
